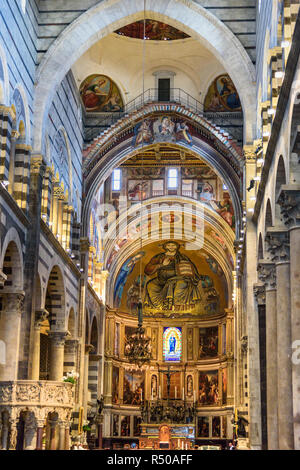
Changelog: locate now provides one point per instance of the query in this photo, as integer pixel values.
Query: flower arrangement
(71, 377)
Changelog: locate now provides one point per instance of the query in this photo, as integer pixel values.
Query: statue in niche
(154, 386)
(189, 386)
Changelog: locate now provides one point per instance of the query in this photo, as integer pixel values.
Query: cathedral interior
(149, 224)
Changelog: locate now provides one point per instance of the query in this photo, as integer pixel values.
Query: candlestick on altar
(175, 392)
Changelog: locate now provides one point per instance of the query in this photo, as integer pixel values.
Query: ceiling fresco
(222, 96)
(175, 282)
(154, 31)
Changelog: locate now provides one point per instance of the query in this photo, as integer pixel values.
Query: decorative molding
(267, 274)
(13, 301)
(289, 201)
(40, 317)
(278, 244)
(260, 293)
(58, 338)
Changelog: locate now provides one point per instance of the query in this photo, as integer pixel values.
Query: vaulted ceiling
(239, 17)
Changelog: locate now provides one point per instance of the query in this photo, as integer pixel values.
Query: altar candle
(183, 393)
(159, 392)
(175, 392)
(182, 445)
(195, 396)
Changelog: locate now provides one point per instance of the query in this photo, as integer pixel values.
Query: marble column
(267, 274)
(53, 425)
(10, 326)
(40, 317)
(88, 349)
(278, 242)
(62, 433)
(39, 434)
(67, 436)
(57, 339)
(289, 201)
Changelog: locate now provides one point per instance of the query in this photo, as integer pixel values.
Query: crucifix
(168, 373)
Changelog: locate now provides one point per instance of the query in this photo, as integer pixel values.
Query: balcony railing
(95, 123)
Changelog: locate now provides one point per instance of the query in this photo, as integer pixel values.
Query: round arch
(55, 298)
(12, 242)
(201, 150)
(20, 95)
(109, 15)
(94, 335)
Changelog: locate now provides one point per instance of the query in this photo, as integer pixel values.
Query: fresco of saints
(143, 133)
(176, 282)
(125, 271)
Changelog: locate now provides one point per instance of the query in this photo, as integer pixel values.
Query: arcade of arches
(149, 166)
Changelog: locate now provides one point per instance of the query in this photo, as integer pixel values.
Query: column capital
(289, 201)
(84, 244)
(278, 241)
(267, 274)
(71, 345)
(249, 152)
(89, 348)
(58, 338)
(58, 192)
(13, 301)
(104, 275)
(259, 290)
(40, 317)
(37, 165)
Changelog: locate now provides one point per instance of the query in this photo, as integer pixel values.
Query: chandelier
(138, 345)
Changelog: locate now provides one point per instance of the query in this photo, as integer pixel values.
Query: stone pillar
(289, 200)
(62, 432)
(4, 432)
(67, 436)
(53, 425)
(278, 241)
(57, 355)
(88, 349)
(39, 434)
(10, 324)
(267, 274)
(40, 317)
